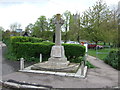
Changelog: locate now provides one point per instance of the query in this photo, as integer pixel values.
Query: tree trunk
(96, 42)
(78, 38)
(54, 38)
(66, 37)
(104, 43)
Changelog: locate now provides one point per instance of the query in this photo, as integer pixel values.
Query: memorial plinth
(57, 58)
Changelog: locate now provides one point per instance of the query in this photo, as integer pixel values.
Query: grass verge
(103, 52)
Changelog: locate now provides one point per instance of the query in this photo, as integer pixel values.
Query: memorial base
(58, 58)
(57, 61)
(61, 62)
(49, 66)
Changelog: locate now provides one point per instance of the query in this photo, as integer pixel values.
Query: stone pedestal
(57, 61)
(58, 56)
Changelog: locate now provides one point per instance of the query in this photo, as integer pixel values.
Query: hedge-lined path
(102, 77)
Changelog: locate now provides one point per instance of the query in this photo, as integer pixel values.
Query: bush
(73, 51)
(25, 39)
(76, 60)
(30, 49)
(13, 39)
(9, 41)
(113, 59)
(89, 65)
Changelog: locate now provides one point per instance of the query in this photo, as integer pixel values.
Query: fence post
(40, 57)
(22, 63)
(86, 52)
(82, 68)
(96, 52)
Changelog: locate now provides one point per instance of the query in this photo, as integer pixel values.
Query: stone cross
(58, 23)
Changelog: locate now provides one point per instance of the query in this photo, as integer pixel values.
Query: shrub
(76, 60)
(25, 39)
(73, 51)
(89, 65)
(113, 59)
(13, 39)
(30, 50)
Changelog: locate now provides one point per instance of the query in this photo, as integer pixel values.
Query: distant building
(25, 34)
(76, 17)
(18, 30)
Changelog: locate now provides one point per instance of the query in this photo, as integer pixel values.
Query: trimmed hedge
(30, 49)
(113, 59)
(73, 51)
(14, 39)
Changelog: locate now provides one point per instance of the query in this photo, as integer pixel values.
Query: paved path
(103, 76)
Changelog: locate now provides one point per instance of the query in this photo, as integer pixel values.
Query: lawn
(102, 53)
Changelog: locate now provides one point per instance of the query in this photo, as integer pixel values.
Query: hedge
(14, 39)
(113, 59)
(30, 50)
(74, 50)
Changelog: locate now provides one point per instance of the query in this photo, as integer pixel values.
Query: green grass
(101, 43)
(92, 52)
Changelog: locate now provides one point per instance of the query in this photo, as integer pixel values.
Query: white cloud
(112, 2)
(25, 12)
(23, 0)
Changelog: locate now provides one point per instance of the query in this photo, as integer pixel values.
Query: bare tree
(15, 26)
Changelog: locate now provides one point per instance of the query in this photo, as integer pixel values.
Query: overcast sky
(27, 11)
